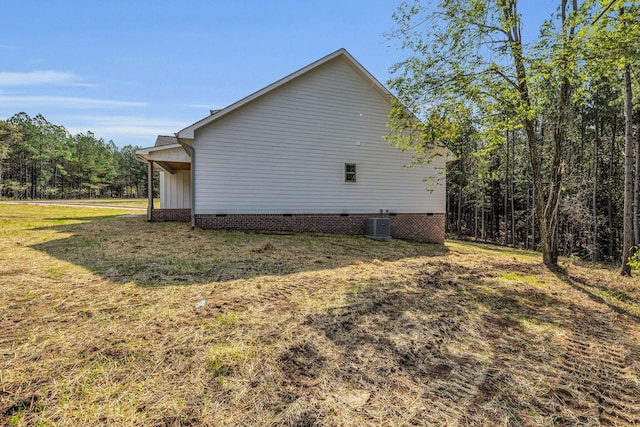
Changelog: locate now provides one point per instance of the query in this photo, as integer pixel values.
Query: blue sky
(129, 70)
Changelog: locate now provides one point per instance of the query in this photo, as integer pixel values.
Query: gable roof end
(163, 143)
(163, 140)
(189, 132)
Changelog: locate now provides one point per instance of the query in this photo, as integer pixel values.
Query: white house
(305, 153)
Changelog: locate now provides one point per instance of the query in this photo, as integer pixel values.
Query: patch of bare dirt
(301, 363)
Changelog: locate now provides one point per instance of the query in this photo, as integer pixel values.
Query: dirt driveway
(88, 203)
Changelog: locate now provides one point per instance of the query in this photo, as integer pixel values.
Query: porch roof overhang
(170, 158)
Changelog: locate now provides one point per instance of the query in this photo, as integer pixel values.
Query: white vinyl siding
(176, 154)
(175, 190)
(286, 153)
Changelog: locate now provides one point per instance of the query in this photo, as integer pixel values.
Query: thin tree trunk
(612, 237)
(482, 232)
(525, 234)
(459, 220)
(475, 215)
(596, 142)
(512, 185)
(460, 188)
(636, 194)
(506, 190)
(627, 234)
(533, 217)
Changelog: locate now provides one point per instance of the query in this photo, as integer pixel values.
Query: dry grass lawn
(102, 323)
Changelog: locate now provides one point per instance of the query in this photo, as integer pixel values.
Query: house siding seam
(417, 227)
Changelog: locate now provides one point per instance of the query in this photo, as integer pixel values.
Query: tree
(92, 164)
(472, 52)
(132, 174)
(627, 239)
(9, 135)
(39, 159)
(614, 41)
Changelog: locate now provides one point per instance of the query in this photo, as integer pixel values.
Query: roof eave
(149, 150)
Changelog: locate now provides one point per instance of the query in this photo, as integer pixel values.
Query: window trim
(350, 176)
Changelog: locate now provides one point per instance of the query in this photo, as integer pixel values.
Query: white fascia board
(141, 155)
(163, 147)
(144, 153)
(367, 75)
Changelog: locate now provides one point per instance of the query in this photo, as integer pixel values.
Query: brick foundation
(177, 215)
(417, 227)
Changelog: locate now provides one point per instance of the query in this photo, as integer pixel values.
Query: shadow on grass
(469, 350)
(615, 299)
(492, 247)
(128, 248)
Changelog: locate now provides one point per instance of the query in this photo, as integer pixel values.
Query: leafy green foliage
(538, 146)
(634, 259)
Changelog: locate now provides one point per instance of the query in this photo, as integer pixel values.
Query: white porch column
(150, 190)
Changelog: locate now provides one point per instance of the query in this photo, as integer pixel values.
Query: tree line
(41, 160)
(545, 133)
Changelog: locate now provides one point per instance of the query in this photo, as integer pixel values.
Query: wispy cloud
(116, 127)
(66, 102)
(32, 78)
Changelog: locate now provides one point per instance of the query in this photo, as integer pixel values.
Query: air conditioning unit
(378, 228)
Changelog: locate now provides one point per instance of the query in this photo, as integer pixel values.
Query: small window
(349, 172)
